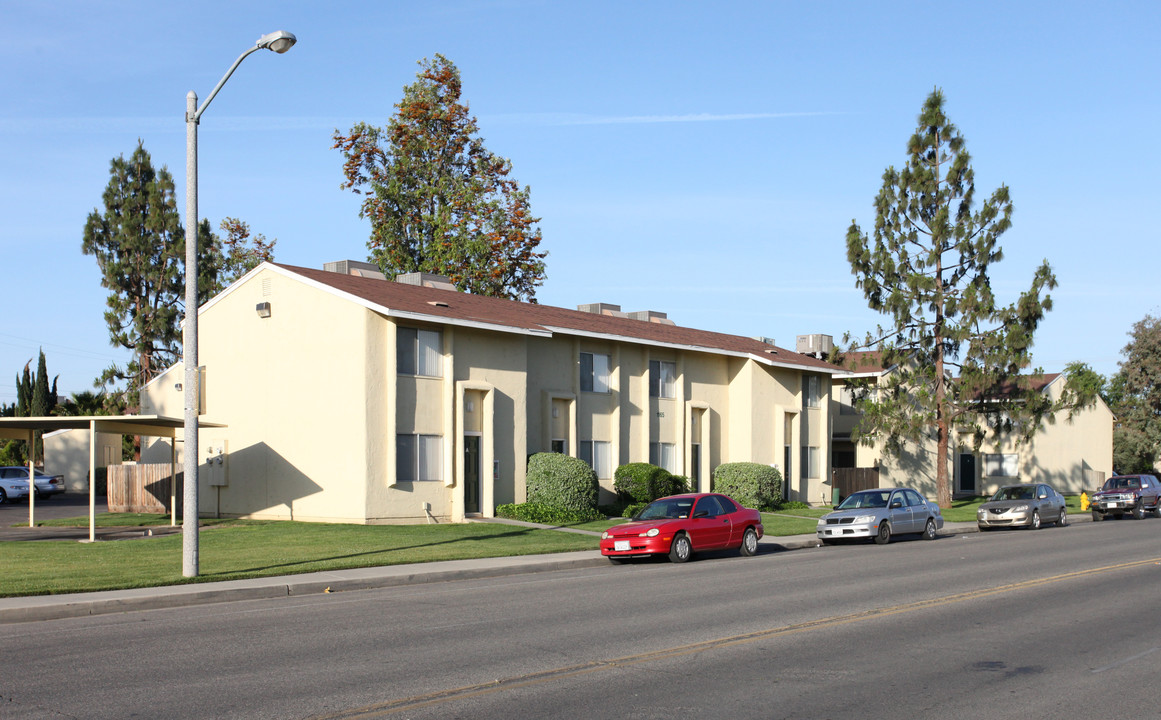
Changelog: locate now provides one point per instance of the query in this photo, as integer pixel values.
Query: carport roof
(17, 428)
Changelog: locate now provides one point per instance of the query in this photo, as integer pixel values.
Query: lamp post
(279, 42)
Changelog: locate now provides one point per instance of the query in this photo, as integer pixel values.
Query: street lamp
(279, 42)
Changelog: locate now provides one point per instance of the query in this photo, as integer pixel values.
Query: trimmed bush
(750, 484)
(545, 514)
(633, 508)
(561, 481)
(642, 483)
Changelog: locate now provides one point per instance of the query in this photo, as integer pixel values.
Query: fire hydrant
(1084, 503)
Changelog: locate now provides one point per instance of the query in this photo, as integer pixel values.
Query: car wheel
(1063, 520)
(1139, 511)
(1157, 509)
(681, 549)
(1097, 517)
(1034, 523)
(3, 497)
(884, 535)
(929, 532)
(749, 543)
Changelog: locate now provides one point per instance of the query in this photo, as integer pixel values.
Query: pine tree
(962, 357)
(139, 244)
(438, 200)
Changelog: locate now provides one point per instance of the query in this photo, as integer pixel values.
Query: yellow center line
(462, 693)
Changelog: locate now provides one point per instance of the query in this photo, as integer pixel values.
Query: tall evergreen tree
(961, 355)
(24, 392)
(1136, 399)
(240, 252)
(139, 244)
(438, 200)
(41, 402)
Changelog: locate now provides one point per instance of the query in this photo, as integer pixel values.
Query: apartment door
(471, 473)
(967, 474)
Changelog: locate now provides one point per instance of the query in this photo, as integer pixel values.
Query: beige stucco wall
(66, 452)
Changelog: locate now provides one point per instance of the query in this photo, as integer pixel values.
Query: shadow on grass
(514, 533)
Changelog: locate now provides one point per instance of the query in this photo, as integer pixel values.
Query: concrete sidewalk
(50, 607)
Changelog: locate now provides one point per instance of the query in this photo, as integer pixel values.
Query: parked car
(46, 485)
(1026, 505)
(680, 525)
(1132, 494)
(13, 489)
(881, 514)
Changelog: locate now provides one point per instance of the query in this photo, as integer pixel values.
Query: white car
(880, 514)
(46, 485)
(12, 489)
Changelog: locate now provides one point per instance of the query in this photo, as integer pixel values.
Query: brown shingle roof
(458, 308)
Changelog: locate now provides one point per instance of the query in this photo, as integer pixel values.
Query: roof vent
(651, 316)
(819, 346)
(602, 309)
(427, 280)
(356, 268)
(437, 303)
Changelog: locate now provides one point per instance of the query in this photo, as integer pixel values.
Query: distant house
(1072, 454)
(350, 398)
(66, 452)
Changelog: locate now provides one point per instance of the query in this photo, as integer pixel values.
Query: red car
(680, 525)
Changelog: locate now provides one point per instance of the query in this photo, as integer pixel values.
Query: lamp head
(279, 41)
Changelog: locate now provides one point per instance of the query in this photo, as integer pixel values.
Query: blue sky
(699, 159)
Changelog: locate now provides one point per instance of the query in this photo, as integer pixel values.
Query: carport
(24, 428)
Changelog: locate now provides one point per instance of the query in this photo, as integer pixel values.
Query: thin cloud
(579, 119)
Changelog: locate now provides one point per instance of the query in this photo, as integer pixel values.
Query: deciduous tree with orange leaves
(438, 200)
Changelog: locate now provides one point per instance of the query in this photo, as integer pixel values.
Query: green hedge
(545, 514)
(562, 482)
(642, 483)
(750, 484)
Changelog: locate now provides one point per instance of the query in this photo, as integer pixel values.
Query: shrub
(545, 514)
(562, 482)
(750, 484)
(642, 483)
(793, 505)
(633, 508)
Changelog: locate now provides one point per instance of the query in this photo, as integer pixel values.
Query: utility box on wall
(216, 465)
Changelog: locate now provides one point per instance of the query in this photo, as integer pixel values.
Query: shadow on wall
(253, 480)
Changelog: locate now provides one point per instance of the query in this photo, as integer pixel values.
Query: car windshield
(1123, 483)
(666, 509)
(1014, 493)
(866, 499)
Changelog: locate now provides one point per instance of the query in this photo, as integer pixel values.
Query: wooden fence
(850, 480)
(141, 488)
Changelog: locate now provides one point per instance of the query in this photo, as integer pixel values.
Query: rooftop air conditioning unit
(818, 346)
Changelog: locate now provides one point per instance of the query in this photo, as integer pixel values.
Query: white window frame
(663, 455)
(595, 376)
(420, 351)
(662, 379)
(419, 458)
(1002, 465)
(811, 391)
(599, 456)
(809, 466)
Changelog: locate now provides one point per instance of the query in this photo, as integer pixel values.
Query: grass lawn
(239, 549)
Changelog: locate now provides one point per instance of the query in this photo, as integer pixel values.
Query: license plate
(1113, 504)
(620, 545)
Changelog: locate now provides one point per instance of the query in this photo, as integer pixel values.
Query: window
(419, 352)
(708, 506)
(599, 455)
(594, 372)
(663, 455)
(418, 458)
(560, 446)
(695, 466)
(1001, 465)
(810, 391)
(662, 379)
(809, 462)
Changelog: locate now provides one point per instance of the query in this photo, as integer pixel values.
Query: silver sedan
(880, 514)
(1027, 505)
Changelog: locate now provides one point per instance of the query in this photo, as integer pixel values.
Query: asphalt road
(59, 506)
(1060, 622)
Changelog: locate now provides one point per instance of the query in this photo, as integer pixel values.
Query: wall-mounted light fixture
(263, 309)
(555, 412)
(469, 406)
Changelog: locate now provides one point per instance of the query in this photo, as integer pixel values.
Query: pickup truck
(1127, 494)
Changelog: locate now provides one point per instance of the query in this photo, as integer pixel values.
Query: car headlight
(1020, 508)
(605, 535)
(651, 532)
(860, 519)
